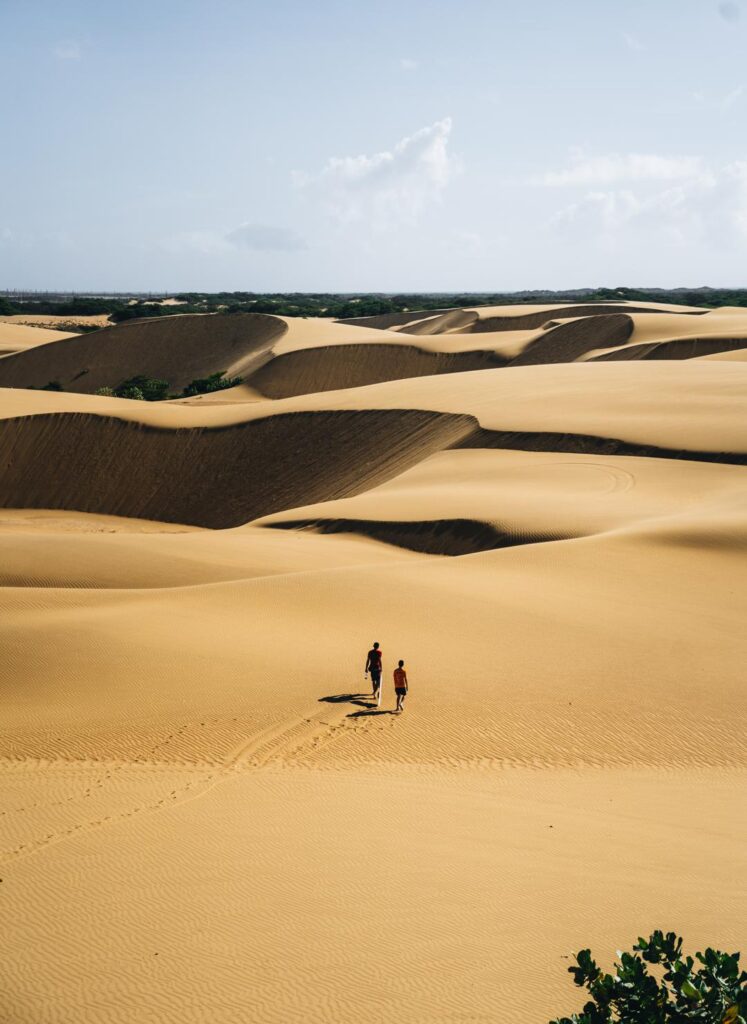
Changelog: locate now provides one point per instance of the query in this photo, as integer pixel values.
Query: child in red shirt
(400, 686)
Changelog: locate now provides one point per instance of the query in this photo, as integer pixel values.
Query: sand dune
(567, 340)
(521, 497)
(58, 321)
(348, 366)
(118, 468)
(176, 348)
(202, 814)
(677, 348)
(19, 337)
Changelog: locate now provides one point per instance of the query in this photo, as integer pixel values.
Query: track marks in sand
(110, 771)
(277, 744)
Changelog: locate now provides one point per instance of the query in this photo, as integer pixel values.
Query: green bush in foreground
(712, 992)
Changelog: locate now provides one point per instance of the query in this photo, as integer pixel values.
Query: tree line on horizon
(342, 306)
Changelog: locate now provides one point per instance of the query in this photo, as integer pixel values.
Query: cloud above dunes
(389, 187)
(729, 11)
(250, 236)
(708, 206)
(265, 238)
(618, 167)
(68, 50)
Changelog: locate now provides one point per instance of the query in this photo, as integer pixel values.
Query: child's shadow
(369, 713)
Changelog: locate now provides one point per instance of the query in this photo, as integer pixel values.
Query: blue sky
(421, 145)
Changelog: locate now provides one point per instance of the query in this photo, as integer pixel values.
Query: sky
(395, 145)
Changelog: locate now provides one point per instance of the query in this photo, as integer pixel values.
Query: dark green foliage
(148, 389)
(215, 382)
(711, 991)
(141, 310)
(349, 306)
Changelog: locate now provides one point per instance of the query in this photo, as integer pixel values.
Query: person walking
(373, 665)
(400, 686)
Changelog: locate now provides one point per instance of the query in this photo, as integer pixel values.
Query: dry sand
(16, 337)
(202, 816)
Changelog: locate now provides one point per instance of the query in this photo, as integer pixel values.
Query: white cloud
(709, 207)
(207, 242)
(408, 64)
(633, 42)
(389, 187)
(732, 97)
(729, 11)
(68, 50)
(251, 236)
(265, 238)
(617, 167)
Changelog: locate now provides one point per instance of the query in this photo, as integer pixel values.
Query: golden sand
(203, 816)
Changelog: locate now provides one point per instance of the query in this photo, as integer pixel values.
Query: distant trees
(711, 991)
(347, 306)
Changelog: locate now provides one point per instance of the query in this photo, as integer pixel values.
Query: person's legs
(400, 700)
(376, 683)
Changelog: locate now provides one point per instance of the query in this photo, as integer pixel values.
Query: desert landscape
(204, 817)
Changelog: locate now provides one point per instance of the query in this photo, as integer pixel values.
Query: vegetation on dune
(152, 389)
(215, 382)
(708, 990)
(348, 306)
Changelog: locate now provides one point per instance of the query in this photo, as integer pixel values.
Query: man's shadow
(362, 700)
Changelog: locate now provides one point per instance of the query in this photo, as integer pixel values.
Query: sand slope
(203, 816)
(178, 349)
(19, 337)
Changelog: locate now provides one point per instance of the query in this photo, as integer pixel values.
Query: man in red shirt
(400, 686)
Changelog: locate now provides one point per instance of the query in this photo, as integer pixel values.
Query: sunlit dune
(203, 815)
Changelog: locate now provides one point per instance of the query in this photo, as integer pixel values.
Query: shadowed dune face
(435, 537)
(349, 366)
(385, 321)
(587, 444)
(178, 349)
(458, 320)
(566, 342)
(217, 477)
(677, 348)
(527, 321)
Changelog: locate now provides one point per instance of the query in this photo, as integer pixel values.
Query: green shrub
(714, 993)
(129, 391)
(215, 382)
(148, 389)
(106, 392)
